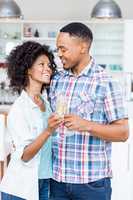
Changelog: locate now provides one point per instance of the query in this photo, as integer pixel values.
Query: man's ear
(84, 48)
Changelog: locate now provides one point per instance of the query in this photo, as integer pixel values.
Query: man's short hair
(78, 29)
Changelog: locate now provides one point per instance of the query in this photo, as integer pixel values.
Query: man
(82, 159)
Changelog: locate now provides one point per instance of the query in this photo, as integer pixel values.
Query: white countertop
(4, 108)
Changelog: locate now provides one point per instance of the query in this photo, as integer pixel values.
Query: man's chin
(66, 67)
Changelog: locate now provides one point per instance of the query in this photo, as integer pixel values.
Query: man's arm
(116, 131)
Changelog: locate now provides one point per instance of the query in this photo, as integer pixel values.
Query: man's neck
(78, 69)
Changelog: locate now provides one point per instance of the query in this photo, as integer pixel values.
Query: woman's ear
(29, 72)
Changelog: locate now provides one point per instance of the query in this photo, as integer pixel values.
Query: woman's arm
(32, 149)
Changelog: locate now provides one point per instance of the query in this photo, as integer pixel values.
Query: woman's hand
(53, 122)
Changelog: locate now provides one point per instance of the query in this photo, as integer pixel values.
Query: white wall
(66, 9)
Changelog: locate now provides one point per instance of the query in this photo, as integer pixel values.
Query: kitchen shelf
(109, 37)
(39, 38)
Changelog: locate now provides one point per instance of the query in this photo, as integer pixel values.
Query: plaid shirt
(93, 95)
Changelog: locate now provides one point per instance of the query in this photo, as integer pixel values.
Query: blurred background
(112, 47)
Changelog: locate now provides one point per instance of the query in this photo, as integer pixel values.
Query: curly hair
(21, 58)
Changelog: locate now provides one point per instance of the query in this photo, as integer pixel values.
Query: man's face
(69, 50)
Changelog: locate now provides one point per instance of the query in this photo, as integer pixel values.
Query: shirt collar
(25, 95)
(84, 72)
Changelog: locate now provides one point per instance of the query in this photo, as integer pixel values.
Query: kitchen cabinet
(108, 43)
(122, 164)
(121, 189)
(128, 46)
(10, 36)
(4, 147)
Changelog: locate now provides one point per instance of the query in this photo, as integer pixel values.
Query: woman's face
(40, 70)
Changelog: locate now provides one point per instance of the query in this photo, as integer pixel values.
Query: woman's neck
(33, 90)
(35, 94)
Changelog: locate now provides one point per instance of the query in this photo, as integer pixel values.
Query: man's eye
(41, 64)
(63, 50)
(56, 50)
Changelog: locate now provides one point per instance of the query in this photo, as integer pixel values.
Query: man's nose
(59, 53)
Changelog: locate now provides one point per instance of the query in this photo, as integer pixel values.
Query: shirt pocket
(83, 105)
(36, 126)
(98, 112)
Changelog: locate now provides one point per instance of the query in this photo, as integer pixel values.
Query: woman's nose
(47, 68)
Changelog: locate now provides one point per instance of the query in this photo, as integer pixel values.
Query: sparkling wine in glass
(62, 108)
(61, 105)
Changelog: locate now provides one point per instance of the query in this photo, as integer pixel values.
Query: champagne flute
(61, 105)
(62, 108)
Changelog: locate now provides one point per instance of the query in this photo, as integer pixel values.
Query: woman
(30, 123)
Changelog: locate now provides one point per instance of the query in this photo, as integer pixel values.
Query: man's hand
(74, 122)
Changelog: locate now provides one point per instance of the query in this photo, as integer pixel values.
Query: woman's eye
(49, 65)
